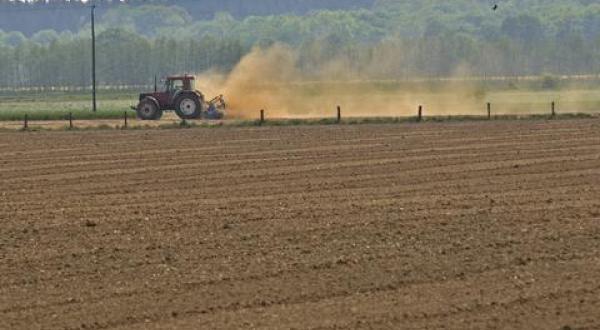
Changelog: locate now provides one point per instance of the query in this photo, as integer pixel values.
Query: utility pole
(94, 107)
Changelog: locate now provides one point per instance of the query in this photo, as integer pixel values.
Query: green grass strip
(64, 115)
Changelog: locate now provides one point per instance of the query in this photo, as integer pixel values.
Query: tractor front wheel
(188, 107)
(148, 110)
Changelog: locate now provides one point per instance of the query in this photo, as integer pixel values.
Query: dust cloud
(273, 79)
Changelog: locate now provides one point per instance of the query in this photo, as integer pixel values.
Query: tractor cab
(179, 83)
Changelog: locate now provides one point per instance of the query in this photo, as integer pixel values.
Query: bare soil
(481, 225)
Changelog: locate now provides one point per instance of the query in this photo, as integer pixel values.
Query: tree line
(123, 58)
(389, 40)
(29, 17)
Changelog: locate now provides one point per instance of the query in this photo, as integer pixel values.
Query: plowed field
(452, 225)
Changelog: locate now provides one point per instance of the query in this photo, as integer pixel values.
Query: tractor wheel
(188, 106)
(148, 110)
(159, 115)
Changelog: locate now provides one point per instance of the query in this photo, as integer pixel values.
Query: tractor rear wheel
(188, 106)
(148, 110)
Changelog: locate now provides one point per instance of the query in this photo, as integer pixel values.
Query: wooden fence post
(420, 114)
(70, 120)
(125, 119)
(489, 110)
(262, 116)
(339, 114)
(26, 122)
(553, 109)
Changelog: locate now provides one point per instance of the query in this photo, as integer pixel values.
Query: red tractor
(179, 95)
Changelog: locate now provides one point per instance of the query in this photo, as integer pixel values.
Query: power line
(93, 9)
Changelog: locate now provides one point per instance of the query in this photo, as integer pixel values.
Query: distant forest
(30, 17)
(47, 43)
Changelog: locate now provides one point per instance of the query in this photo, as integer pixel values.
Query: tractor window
(177, 85)
(174, 85)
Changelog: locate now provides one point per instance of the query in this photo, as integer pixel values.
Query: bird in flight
(495, 6)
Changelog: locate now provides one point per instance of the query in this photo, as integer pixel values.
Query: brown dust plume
(273, 79)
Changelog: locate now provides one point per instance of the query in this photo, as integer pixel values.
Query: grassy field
(368, 99)
(318, 100)
(58, 105)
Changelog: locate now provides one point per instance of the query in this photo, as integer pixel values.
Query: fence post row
(262, 116)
